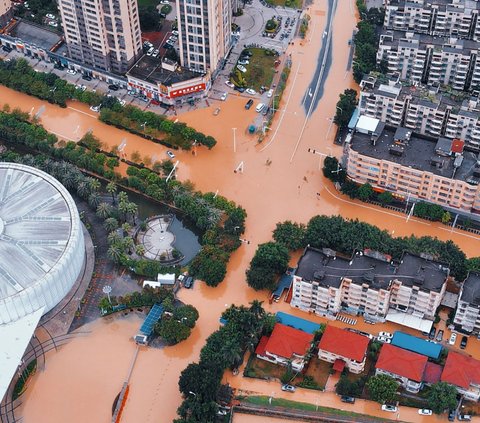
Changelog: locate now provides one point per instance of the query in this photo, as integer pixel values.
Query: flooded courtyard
(280, 181)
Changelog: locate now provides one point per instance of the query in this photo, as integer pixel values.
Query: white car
(224, 96)
(50, 16)
(122, 102)
(229, 84)
(384, 340)
(388, 407)
(175, 33)
(95, 108)
(270, 92)
(288, 388)
(425, 412)
(164, 2)
(243, 62)
(250, 91)
(53, 23)
(170, 154)
(453, 338)
(72, 71)
(241, 68)
(385, 334)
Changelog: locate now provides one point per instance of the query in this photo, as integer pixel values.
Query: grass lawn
(294, 4)
(319, 370)
(280, 402)
(145, 3)
(263, 369)
(260, 70)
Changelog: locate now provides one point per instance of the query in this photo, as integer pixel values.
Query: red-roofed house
(432, 373)
(339, 345)
(285, 345)
(405, 366)
(464, 373)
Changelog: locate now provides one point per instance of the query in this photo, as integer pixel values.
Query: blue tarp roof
(152, 318)
(297, 322)
(354, 119)
(418, 345)
(284, 283)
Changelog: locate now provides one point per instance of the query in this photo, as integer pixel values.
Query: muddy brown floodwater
(280, 181)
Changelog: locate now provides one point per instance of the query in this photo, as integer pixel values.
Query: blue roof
(284, 283)
(354, 119)
(152, 318)
(297, 322)
(418, 345)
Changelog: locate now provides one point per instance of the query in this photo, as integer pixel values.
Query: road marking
(476, 238)
(81, 111)
(285, 109)
(63, 136)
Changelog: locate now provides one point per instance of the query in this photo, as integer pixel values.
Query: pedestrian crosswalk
(347, 320)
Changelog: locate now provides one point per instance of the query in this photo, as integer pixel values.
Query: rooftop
(286, 341)
(433, 373)
(423, 272)
(441, 4)
(461, 370)
(37, 35)
(36, 214)
(419, 153)
(328, 269)
(150, 69)
(297, 322)
(344, 343)
(401, 362)
(417, 345)
(471, 289)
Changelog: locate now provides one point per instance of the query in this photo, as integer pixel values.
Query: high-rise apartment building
(104, 34)
(204, 28)
(5, 12)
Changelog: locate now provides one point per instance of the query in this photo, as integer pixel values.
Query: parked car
(250, 91)
(239, 89)
(122, 102)
(72, 71)
(167, 46)
(463, 342)
(269, 92)
(50, 16)
(425, 412)
(265, 111)
(439, 336)
(87, 77)
(385, 334)
(288, 388)
(170, 154)
(431, 335)
(241, 68)
(391, 408)
(224, 96)
(453, 338)
(384, 340)
(229, 84)
(7, 49)
(451, 415)
(113, 87)
(347, 399)
(464, 417)
(243, 62)
(188, 282)
(248, 104)
(95, 108)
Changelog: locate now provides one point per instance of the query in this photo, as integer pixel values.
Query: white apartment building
(467, 315)
(425, 110)
(434, 17)
(430, 59)
(368, 284)
(204, 28)
(104, 34)
(5, 12)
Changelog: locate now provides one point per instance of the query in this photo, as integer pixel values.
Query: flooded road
(280, 181)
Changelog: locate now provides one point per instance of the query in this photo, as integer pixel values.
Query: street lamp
(106, 290)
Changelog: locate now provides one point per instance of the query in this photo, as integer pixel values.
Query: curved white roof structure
(41, 241)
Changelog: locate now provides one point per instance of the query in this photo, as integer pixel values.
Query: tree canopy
(382, 388)
(441, 397)
(290, 235)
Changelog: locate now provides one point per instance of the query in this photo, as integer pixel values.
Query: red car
(155, 102)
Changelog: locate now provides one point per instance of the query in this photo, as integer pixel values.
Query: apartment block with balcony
(434, 17)
(467, 315)
(411, 166)
(204, 33)
(6, 12)
(425, 110)
(430, 59)
(104, 34)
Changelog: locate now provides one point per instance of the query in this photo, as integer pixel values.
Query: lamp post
(106, 290)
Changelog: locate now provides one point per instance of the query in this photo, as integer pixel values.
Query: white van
(259, 107)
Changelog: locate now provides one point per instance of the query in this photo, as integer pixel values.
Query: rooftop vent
(319, 275)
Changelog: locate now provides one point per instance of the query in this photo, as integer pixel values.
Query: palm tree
(94, 184)
(110, 224)
(94, 199)
(104, 210)
(256, 308)
(132, 209)
(83, 189)
(122, 197)
(231, 352)
(113, 238)
(128, 243)
(115, 252)
(123, 208)
(111, 188)
(69, 180)
(126, 227)
(140, 250)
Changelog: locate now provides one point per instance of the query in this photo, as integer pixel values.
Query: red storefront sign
(188, 90)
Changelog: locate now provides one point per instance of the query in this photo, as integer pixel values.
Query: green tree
(260, 278)
(172, 331)
(365, 192)
(290, 234)
(345, 107)
(111, 188)
(210, 265)
(382, 388)
(446, 217)
(333, 171)
(441, 397)
(104, 210)
(385, 197)
(187, 314)
(271, 255)
(202, 379)
(350, 188)
(110, 224)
